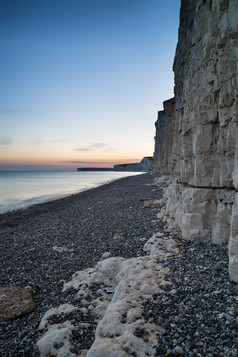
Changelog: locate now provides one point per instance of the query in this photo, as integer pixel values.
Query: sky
(81, 81)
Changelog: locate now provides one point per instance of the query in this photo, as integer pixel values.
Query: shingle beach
(192, 311)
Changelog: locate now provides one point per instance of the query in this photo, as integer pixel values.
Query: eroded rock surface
(112, 293)
(197, 133)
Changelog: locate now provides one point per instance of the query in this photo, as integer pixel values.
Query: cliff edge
(197, 132)
(143, 166)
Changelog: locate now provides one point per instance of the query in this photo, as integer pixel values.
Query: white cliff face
(206, 95)
(143, 166)
(201, 126)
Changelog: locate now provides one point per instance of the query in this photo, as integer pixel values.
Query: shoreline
(57, 196)
(109, 231)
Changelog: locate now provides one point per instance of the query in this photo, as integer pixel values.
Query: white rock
(56, 334)
(233, 243)
(117, 303)
(65, 309)
(63, 249)
(105, 255)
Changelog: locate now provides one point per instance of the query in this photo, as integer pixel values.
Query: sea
(22, 189)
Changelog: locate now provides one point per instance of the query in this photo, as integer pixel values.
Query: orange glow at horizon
(68, 163)
(69, 155)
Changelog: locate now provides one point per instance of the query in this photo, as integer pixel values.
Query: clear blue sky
(81, 81)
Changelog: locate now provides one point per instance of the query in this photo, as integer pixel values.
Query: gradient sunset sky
(81, 81)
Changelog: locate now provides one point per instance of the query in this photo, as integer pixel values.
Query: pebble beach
(194, 311)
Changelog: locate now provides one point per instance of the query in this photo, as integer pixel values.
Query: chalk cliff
(143, 166)
(197, 132)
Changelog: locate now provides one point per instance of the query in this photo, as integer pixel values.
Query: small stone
(218, 267)
(179, 349)
(173, 292)
(106, 255)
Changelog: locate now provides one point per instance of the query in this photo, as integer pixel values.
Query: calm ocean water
(22, 189)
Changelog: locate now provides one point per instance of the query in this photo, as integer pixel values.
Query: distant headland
(95, 169)
(143, 166)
